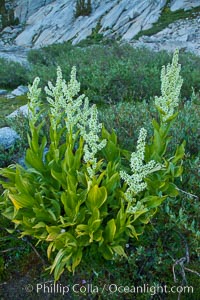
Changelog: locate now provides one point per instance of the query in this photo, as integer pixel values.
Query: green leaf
(105, 133)
(81, 178)
(82, 229)
(138, 213)
(57, 175)
(53, 231)
(95, 216)
(8, 173)
(57, 262)
(35, 161)
(121, 219)
(172, 190)
(119, 250)
(23, 184)
(40, 225)
(113, 137)
(153, 201)
(178, 171)
(97, 236)
(112, 182)
(69, 158)
(111, 151)
(106, 251)
(71, 182)
(56, 207)
(131, 231)
(155, 125)
(96, 197)
(22, 200)
(76, 259)
(95, 225)
(59, 269)
(180, 152)
(78, 155)
(157, 142)
(110, 231)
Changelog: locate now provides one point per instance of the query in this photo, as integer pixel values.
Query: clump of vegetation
(7, 17)
(94, 38)
(10, 105)
(174, 228)
(80, 196)
(83, 8)
(112, 77)
(12, 74)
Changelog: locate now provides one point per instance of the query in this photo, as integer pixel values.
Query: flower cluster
(171, 83)
(139, 170)
(89, 129)
(60, 98)
(77, 114)
(33, 105)
(137, 207)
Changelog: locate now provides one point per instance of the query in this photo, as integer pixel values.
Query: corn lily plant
(80, 191)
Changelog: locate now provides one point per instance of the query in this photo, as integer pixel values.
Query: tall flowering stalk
(139, 169)
(75, 110)
(61, 100)
(90, 129)
(171, 83)
(34, 102)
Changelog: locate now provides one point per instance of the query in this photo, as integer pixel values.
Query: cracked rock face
(25, 8)
(184, 34)
(183, 4)
(44, 22)
(54, 22)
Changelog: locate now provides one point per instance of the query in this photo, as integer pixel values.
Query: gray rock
(20, 90)
(44, 22)
(22, 110)
(3, 92)
(183, 34)
(14, 53)
(49, 24)
(10, 96)
(9, 33)
(184, 4)
(21, 161)
(8, 137)
(25, 8)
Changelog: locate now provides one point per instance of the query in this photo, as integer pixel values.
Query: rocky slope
(43, 22)
(182, 34)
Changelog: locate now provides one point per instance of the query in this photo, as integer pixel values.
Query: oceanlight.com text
(88, 288)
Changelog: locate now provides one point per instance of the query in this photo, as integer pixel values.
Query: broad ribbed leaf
(96, 197)
(153, 201)
(110, 231)
(22, 200)
(119, 250)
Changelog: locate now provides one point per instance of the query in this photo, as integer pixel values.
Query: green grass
(7, 106)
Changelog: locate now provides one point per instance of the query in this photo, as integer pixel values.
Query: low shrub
(83, 8)
(117, 72)
(12, 74)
